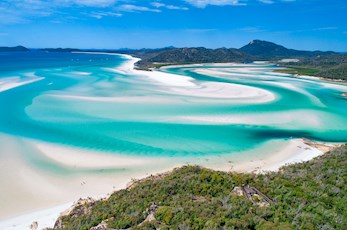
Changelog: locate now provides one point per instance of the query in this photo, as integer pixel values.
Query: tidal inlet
(84, 124)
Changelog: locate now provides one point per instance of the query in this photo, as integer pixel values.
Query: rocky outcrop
(79, 208)
(254, 195)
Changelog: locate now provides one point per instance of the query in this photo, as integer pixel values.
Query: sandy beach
(55, 193)
(13, 82)
(65, 173)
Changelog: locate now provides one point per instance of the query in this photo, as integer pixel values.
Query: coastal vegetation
(308, 195)
(328, 64)
(314, 63)
(13, 49)
(332, 66)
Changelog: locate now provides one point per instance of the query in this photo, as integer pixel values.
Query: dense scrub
(332, 66)
(309, 195)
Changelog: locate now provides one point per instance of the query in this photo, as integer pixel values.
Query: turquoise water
(85, 102)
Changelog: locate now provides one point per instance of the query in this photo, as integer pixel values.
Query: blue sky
(300, 24)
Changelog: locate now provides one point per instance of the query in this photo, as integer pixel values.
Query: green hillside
(315, 63)
(13, 49)
(309, 195)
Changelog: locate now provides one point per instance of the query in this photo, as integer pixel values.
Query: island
(13, 49)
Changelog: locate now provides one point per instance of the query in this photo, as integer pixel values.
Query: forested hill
(317, 63)
(309, 195)
(13, 49)
(269, 50)
(200, 55)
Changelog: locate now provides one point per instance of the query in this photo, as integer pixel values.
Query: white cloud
(94, 3)
(204, 3)
(266, 1)
(274, 1)
(134, 8)
(158, 4)
(325, 28)
(170, 7)
(100, 15)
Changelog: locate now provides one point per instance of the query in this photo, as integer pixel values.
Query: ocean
(187, 114)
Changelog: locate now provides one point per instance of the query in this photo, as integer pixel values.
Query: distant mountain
(200, 54)
(265, 49)
(13, 49)
(326, 64)
(151, 57)
(60, 50)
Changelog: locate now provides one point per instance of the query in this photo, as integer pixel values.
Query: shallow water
(84, 101)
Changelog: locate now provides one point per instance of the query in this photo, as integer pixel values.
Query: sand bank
(58, 192)
(13, 82)
(65, 174)
(187, 86)
(73, 173)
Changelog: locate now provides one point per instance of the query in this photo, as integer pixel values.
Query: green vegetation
(315, 63)
(332, 66)
(299, 70)
(309, 195)
(13, 49)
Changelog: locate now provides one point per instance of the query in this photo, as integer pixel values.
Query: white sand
(296, 151)
(120, 99)
(32, 190)
(55, 190)
(81, 158)
(303, 118)
(187, 86)
(13, 82)
(226, 91)
(81, 73)
(44, 218)
(26, 189)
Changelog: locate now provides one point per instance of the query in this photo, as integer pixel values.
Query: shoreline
(302, 76)
(298, 150)
(295, 151)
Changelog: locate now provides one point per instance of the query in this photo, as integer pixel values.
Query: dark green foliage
(310, 195)
(268, 50)
(200, 55)
(315, 63)
(13, 49)
(332, 66)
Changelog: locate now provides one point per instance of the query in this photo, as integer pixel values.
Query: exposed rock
(253, 194)
(238, 191)
(34, 225)
(151, 211)
(101, 226)
(79, 208)
(199, 199)
(324, 147)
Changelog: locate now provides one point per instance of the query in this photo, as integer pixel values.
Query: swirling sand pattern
(181, 111)
(78, 124)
